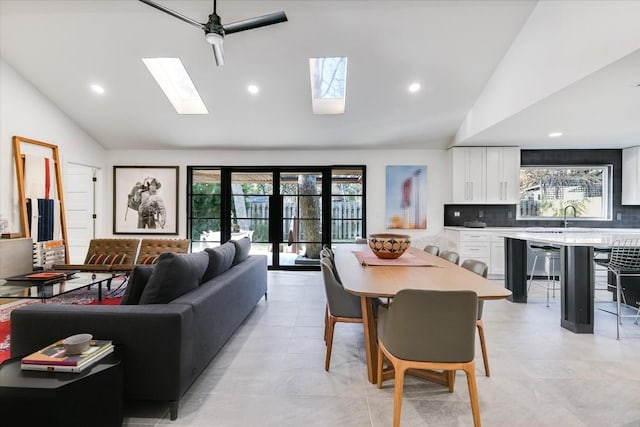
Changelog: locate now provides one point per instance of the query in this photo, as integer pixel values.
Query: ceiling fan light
(214, 39)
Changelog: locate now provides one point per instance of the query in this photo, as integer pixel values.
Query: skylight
(328, 84)
(174, 81)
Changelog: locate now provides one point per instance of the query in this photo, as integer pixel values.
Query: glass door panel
(347, 205)
(301, 195)
(250, 210)
(205, 209)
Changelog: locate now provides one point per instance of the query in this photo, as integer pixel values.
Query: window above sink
(576, 192)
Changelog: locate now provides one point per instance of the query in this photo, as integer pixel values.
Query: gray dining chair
(450, 256)
(481, 269)
(433, 250)
(341, 306)
(433, 330)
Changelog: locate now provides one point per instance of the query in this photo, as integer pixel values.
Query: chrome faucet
(565, 214)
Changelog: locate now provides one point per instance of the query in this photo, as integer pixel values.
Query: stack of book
(47, 254)
(53, 357)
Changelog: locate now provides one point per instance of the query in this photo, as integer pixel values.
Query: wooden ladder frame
(19, 162)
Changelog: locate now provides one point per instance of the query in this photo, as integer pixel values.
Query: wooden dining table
(384, 281)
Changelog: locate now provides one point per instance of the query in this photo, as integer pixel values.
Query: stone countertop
(547, 229)
(581, 237)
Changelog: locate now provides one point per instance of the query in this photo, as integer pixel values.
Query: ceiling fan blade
(218, 54)
(257, 22)
(174, 14)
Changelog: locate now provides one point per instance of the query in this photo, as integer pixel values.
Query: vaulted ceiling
(452, 48)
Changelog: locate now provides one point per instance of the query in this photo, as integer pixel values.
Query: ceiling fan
(215, 31)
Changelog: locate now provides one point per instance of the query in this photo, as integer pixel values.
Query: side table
(93, 397)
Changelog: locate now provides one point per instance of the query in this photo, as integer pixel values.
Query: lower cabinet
(496, 264)
(481, 245)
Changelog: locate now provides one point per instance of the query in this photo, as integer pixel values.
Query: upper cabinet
(503, 174)
(485, 174)
(468, 174)
(631, 176)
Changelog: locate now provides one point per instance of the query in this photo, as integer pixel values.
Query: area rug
(83, 297)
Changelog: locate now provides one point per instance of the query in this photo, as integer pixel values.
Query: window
(546, 191)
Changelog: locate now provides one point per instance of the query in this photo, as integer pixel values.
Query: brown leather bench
(121, 255)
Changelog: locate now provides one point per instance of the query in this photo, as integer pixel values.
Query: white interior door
(80, 209)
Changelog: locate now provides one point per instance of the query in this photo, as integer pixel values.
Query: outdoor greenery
(302, 200)
(545, 191)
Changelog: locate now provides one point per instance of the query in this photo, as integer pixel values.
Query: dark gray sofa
(166, 346)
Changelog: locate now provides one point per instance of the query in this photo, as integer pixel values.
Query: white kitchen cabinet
(472, 245)
(468, 174)
(503, 174)
(484, 245)
(631, 176)
(496, 262)
(485, 175)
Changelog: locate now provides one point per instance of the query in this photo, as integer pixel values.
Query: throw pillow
(243, 246)
(174, 275)
(220, 260)
(137, 281)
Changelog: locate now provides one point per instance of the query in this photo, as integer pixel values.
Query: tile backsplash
(505, 216)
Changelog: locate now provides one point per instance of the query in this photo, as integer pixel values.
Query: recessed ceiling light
(97, 88)
(176, 84)
(414, 87)
(253, 89)
(555, 134)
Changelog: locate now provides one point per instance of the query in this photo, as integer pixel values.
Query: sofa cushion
(243, 246)
(137, 282)
(174, 275)
(220, 260)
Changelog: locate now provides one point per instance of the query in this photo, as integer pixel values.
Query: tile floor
(271, 372)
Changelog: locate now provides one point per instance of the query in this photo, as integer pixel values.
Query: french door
(287, 212)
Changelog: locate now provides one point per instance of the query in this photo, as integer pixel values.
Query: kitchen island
(576, 268)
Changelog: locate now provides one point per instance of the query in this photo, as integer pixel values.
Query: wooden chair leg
(380, 363)
(330, 326)
(326, 317)
(451, 380)
(483, 345)
(400, 369)
(470, 371)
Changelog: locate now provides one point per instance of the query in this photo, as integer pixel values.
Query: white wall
(375, 161)
(561, 43)
(26, 112)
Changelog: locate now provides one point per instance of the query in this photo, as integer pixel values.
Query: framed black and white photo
(145, 200)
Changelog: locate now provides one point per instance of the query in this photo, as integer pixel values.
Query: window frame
(607, 192)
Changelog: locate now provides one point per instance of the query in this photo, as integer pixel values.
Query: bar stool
(601, 258)
(624, 262)
(551, 254)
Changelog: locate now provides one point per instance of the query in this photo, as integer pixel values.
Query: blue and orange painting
(406, 197)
